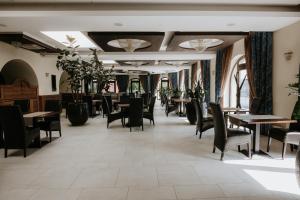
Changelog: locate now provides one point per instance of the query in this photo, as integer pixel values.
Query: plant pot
(191, 113)
(78, 113)
(298, 165)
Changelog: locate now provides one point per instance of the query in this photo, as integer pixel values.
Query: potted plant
(80, 70)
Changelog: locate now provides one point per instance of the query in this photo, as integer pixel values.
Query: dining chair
(105, 107)
(135, 114)
(15, 134)
(51, 123)
(149, 114)
(24, 105)
(286, 136)
(112, 116)
(226, 138)
(170, 107)
(203, 123)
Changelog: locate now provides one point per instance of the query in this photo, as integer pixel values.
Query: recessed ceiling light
(2, 25)
(61, 37)
(118, 24)
(230, 24)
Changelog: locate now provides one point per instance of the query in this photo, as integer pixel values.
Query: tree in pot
(80, 70)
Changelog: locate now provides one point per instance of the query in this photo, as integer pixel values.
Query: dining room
(125, 100)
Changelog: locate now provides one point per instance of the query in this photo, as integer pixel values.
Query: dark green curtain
(154, 79)
(219, 60)
(206, 79)
(262, 65)
(186, 78)
(122, 81)
(173, 80)
(144, 82)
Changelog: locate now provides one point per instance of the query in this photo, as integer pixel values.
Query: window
(135, 86)
(164, 84)
(244, 93)
(112, 86)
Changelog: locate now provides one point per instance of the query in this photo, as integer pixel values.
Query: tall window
(164, 84)
(244, 93)
(112, 86)
(135, 85)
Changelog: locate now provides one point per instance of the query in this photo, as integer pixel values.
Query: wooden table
(233, 109)
(123, 105)
(30, 118)
(181, 101)
(258, 120)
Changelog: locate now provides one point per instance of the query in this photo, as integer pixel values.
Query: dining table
(31, 118)
(259, 120)
(181, 101)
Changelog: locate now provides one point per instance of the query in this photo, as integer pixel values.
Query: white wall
(40, 64)
(284, 71)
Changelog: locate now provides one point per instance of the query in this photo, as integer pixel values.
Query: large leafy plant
(80, 70)
(198, 93)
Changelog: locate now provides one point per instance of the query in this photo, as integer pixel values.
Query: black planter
(78, 113)
(191, 113)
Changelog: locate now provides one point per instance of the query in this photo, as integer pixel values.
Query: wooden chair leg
(153, 121)
(25, 152)
(214, 149)
(239, 148)
(59, 133)
(5, 153)
(196, 131)
(200, 135)
(50, 136)
(269, 143)
(222, 156)
(283, 150)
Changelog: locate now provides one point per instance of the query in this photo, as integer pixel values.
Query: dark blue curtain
(206, 79)
(122, 81)
(173, 80)
(219, 60)
(186, 78)
(154, 79)
(144, 82)
(261, 57)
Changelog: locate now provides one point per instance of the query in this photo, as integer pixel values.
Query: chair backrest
(199, 112)
(295, 116)
(13, 126)
(107, 106)
(145, 97)
(152, 103)
(98, 96)
(124, 98)
(255, 105)
(24, 104)
(219, 126)
(135, 117)
(53, 105)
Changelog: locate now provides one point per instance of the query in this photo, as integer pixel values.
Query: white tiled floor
(166, 161)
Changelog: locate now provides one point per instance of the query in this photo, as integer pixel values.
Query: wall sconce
(288, 55)
(47, 74)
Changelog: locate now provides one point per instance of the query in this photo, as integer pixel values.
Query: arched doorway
(17, 69)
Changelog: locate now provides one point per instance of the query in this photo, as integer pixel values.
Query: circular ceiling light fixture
(201, 44)
(136, 63)
(177, 63)
(130, 45)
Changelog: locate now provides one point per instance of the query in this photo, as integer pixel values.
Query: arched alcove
(18, 70)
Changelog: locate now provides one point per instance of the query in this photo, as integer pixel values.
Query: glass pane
(245, 89)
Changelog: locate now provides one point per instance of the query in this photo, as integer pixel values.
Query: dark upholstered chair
(149, 114)
(286, 136)
(111, 116)
(124, 98)
(52, 123)
(226, 138)
(91, 106)
(146, 98)
(24, 105)
(105, 108)
(170, 107)
(16, 135)
(203, 123)
(135, 114)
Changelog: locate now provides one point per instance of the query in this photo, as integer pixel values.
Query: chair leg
(249, 150)
(222, 156)
(25, 152)
(269, 143)
(239, 148)
(200, 135)
(214, 149)
(50, 136)
(5, 153)
(59, 133)
(292, 147)
(283, 150)
(196, 131)
(130, 128)
(153, 121)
